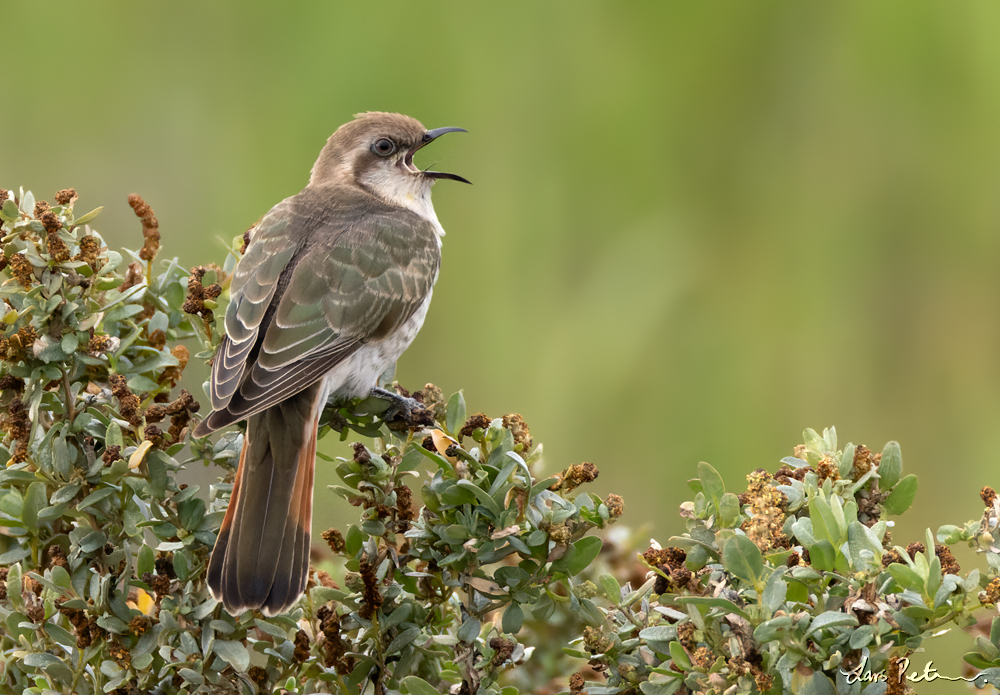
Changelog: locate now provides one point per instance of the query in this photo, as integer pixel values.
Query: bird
(333, 286)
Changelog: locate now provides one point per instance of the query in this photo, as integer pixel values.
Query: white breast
(359, 373)
(410, 191)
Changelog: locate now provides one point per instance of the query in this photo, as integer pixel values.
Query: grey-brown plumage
(333, 287)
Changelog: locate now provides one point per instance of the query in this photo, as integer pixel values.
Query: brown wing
(303, 302)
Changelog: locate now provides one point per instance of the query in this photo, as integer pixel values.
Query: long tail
(261, 557)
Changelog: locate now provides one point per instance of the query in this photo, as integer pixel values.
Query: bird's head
(376, 150)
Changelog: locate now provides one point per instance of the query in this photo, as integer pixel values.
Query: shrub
(496, 581)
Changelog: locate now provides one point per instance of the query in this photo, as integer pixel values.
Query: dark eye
(384, 147)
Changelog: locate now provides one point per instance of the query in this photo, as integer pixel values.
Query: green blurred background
(695, 229)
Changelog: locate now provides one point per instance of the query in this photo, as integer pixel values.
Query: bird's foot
(408, 412)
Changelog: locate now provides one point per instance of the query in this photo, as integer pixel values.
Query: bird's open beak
(431, 136)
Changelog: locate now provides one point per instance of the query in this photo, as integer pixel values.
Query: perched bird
(333, 287)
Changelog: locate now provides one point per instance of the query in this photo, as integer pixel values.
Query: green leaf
(712, 602)
(860, 538)
(96, 496)
(50, 664)
(482, 496)
(995, 632)
(862, 637)
(890, 467)
(847, 461)
(84, 219)
(772, 629)
(679, 657)
(578, 556)
(742, 558)
(455, 413)
(711, 483)
(902, 496)
(816, 684)
(14, 586)
(729, 510)
(813, 441)
(824, 522)
(976, 660)
(822, 556)
(513, 618)
(831, 619)
(658, 633)
(10, 211)
(354, 540)
(418, 686)
(906, 577)
(233, 653)
(35, 499)
(775, 590)
(469, 630)
(611, 588)
(403, 639)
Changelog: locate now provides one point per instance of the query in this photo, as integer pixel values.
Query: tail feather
(261, 556)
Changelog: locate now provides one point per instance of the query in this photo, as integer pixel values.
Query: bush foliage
(465, 572)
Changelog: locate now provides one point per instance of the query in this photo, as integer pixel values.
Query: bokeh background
(695, 229)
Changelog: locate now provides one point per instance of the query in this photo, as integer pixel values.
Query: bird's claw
(403, 410)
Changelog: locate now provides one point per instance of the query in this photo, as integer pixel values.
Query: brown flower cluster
(139, 625)
(361, 454)
(827, 468)
(197, 293)
(675, 575)
(159, 583)
(66, 196)
(863, 462)
(685, 635)
(128, 402)
(334, 539)
(150, 227)
(179, 410)
(992, 592)
(766, 512)
(259, 677)
(15, 348)
(519, 428)
(404, 507)
(786, 474)
(17, 425)
(12, 383)
(99, 344)
(503, 649)
(433, 399)
(479, 421)
(54, 245)
(949, 565)
(119, 653)
(87, 630)
(895, 676)
(21, 268)
(988, 495)
(133, 276)
(301, 652)
(335, 648)
(171, 375)
(574, 476)
(615, 505)
(89, 250)
(371, 596)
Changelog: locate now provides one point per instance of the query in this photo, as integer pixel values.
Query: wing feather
(311, 290)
